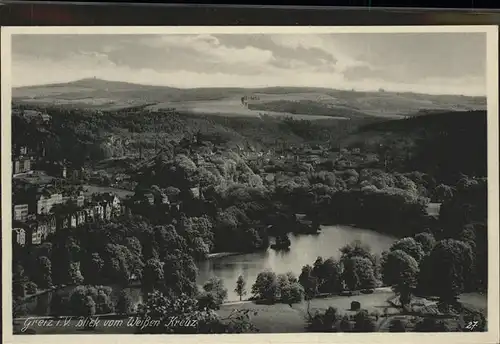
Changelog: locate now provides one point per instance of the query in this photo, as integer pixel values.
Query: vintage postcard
(294, 184)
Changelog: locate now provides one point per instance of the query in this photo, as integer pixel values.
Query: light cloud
(426, 62)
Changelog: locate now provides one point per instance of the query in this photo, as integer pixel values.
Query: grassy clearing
(281, 318)
(121, 193)
(277, 318)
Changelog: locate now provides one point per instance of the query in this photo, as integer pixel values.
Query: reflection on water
(304, 250)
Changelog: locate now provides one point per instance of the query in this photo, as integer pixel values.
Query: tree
(43, 272)
(195, 319)
(153, 276)
(318, 270)
(426, 240)
(443, 193)
(452, 263)
(432, 325)
(75, 276)
(359, 273)
(117, 263)
(180, 273)
(240, 287)
(78, 300)
(400, 270)
(89, 308)
(325, 322)
(292, 293)
(289, 289)
(356, 249)
(208, 300)
(410, 246)
(363, 322)
(309, 283)
(332, 281)
(266, 286)
(19, 281)
(397, 325)
(345, 324)
(215, 286)
(92, 267)
(103, 301)
(124, 304)
(31, 288)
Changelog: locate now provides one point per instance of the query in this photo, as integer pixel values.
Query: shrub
(31, 288)
(325, 322)
(432, 325)
(397, 325)
(345, 324)
(363, 322)
(375, 314)
(124, 304)
(355, 306)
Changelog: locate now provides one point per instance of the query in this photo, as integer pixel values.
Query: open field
(121, 193)
(281, 318)
(230, 107)
(109, 95)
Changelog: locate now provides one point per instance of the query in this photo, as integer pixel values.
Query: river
(304, 250)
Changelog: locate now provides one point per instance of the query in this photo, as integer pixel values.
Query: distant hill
(274, 101)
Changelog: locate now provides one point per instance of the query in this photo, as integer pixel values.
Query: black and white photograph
(250, 180)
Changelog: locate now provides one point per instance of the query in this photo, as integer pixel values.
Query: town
(50, 196)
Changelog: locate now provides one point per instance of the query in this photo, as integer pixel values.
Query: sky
(438, 63)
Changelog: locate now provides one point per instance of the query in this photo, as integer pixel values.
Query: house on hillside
(81, 217)
(20, 212)
(45, 203)
(79, 199)
(21, 165)
(45, 117)
(98, 211)
(72, 221)
(34, 233)
(108, 211)
(108, 198)
(34, 115)
(51, 223)
(21, 150)
(19, 236)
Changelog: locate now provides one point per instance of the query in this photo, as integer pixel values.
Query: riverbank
(222, 254)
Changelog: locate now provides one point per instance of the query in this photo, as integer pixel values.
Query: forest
(375, 174)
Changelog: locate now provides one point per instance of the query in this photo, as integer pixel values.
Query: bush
(355, 306)
(124, 304)
(325, 322)
(363, 322)
(345, 324)
(397, 325)
(19, 309)
(215, 286)
(375, 314)
(208, 300)
(432, 325)
(31, 288)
